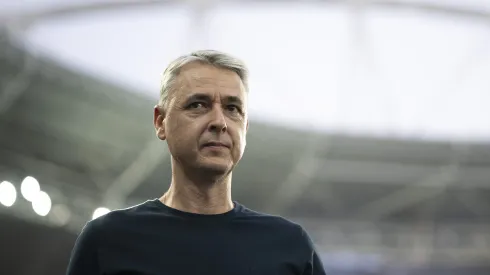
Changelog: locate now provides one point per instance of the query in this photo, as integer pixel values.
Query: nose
(218, 121)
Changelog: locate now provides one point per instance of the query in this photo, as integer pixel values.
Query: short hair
(210, 57)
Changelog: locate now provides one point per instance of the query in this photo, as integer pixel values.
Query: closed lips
(215, 144)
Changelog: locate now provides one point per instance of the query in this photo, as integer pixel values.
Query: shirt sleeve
(314, 265)
(84, 256)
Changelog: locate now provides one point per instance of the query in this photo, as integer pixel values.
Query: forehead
(203, 78)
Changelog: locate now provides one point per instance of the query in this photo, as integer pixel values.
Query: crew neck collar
(226, 215)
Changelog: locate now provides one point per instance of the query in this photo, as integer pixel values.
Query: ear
(158, 118)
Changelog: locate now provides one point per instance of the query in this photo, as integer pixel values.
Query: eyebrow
(198, 97)
(205, 97)
(234, 99)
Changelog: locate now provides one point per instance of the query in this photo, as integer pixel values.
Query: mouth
(215, 144)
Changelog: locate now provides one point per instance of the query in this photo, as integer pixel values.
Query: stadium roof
(350, 64)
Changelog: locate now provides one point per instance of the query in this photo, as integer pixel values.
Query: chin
(216, 166)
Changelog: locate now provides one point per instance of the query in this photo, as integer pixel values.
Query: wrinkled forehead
(207, 79)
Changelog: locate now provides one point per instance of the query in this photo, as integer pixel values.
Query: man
(195, 227)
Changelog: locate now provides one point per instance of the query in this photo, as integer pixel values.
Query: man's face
(205, 120)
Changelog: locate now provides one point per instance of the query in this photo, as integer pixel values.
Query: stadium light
(60, 215)
(41, 203)
(8, 194)
(101, 211)
(29, 188)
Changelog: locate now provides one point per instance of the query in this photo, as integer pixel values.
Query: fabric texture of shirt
(154, 239)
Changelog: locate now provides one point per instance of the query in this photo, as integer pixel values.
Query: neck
(200, 195)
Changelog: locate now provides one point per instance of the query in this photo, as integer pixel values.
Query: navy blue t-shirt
(154, 239)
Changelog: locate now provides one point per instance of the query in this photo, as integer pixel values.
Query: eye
(233, 108)
(196, 105)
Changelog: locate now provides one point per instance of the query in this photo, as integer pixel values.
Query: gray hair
(210, 57)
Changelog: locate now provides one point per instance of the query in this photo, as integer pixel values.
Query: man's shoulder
(270, 219)
(280, 227)
(120, 216)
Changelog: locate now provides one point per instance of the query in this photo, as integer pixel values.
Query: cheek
(184, 133)
(241, 138)
(175, 134)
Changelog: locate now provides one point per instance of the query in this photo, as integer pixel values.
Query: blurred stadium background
(370, 123)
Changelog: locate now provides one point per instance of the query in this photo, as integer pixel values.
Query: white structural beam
(24, 17)
(27, 16)
(409, 195)
(135, 174)
(463, 8)
(15, 86)
(397, 173)
(413, 194)
(299, 178)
